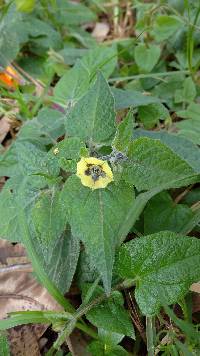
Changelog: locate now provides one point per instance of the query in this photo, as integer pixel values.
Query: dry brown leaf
(19, 290)
(195, 287)
(100, 31)
(4, 127)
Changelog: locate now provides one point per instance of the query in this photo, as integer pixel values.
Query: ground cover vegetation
(100, 172)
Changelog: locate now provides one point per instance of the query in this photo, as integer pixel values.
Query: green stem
(150, 335)
(149, 75)
(190, 37)
(68, 328)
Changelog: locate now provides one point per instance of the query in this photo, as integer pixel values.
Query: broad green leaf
(150, 114)
(85, 272)
(102, 59)
(190, 225)
(4, 345)
(9, 39)
(152, 164)
(111, 315)
(127, 98)
(189, 90)
(190, 129)
(76, 81)
(187, 93)
(71, 54)
(98, 348)
(184, 148)
(192, 112)
(73, 85)
(109, 338)
(165, 90)
(93, 117)
(8, 162)
(60, 264)
(72, 13)
(9, 224)
(161, 264)
(23, 157)
(59, 256)
(162, 213)
(146, 56)
(95, 217)
(45, 128)
(123, 134)
(82, 36)
(166, 26)
(41, 34)
(49, 220)
(107, 344)
(64, 153)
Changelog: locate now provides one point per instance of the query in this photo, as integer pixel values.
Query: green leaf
(194, 221)
(190, 129)
(161, 213)
(23, 157)
(9, 39)
(76, 81)
(150, 114)
(107, 344)
(41, 34)
(95, 217)
(49, 220)
(102, 59)
(127, 98)
(25, 5)
(123, 134)
(45, 128)
(166, 26)
(111, 314)
(109, 338)
(64, 153)
(152, 164)
(73, 85)
(56, 248)
(188, 93)
(72, 13)
(161, 264)
(192, 112)
(60, 260)
(98, 348)
(146, 57)
(9, 224)
(189, 90)
(184, 148)
(4, 345)
(93, 117)
(71, 54)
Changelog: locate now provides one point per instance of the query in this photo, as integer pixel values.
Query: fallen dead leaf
(100, 31)
(19, 290)
(4, 127)
(195, 287)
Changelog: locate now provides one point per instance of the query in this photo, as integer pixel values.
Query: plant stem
(149, 75)
(150, 335)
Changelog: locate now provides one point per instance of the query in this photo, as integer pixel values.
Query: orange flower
(10, 77)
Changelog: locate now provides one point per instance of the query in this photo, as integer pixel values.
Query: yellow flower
(94, 173)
